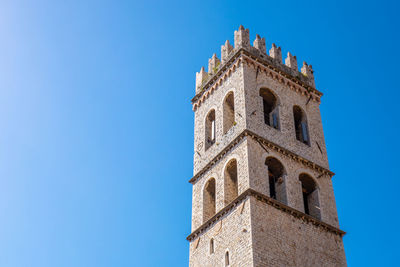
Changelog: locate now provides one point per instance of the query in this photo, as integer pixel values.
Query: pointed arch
(230, 181)
(209, 197)
(229, 112)
(210, 129)
(310, 193)
(300, 125)
(270, 108)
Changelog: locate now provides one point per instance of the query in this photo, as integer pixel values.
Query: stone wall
(239, 152)
(231, 233)
(233, 83)
(262, 232)
(280, 240)
(258, 179)
(287, 98)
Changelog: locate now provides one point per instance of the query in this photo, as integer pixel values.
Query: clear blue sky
(96, 126)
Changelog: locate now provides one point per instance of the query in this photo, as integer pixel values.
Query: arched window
(210, 129)
(310, 196)
(230, 182)
(229, 112)
(270, 106)
(227, 258)
(212, 246)
(276, 178)
(300, 125)
(209, 200)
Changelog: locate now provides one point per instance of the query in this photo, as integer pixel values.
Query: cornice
(270, 201)
(269, 144)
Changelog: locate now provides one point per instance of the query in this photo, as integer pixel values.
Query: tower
(262, 189)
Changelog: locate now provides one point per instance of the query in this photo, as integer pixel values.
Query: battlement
(274, 58)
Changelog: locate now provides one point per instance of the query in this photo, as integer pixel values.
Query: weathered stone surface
(259, 233)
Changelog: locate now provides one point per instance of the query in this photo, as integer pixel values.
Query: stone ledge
(270, 201)
(269, 144)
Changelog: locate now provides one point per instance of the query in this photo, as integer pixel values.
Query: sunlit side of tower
(262, 189)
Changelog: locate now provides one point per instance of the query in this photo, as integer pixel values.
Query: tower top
(258, 52)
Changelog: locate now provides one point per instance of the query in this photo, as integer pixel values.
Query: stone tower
(262, 189)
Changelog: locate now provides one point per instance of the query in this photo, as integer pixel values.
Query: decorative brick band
(270, 69)
(270, 201)
(269, 144)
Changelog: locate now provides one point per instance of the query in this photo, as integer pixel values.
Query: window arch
(210, 129)
(209, 200)
(212, 246)
(310, 196)
(270, 107)
(276, 179)
(229, 112)
(230, 182)
(227, 258)
(300, 125)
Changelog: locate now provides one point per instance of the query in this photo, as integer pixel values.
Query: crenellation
(201, 77)
(276, 53)
(259, 43)
(242, 42)
(225, 51)
(308, 72)
(213, 64)
(291, 61)
(242, 38)
(262, 186)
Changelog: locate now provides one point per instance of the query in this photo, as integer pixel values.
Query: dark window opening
(210, 129)
(230, 182)
(276, 177)
(270, 108)
(229, 112)
(272, 181)
(310, 196)
(209, 200)
(300, 125)
(305, 201)
(227, 258)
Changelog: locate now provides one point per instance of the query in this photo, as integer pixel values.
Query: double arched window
(300, 125)
(270, 108)
(230, 190)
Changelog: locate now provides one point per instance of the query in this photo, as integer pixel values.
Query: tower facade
(262, 189)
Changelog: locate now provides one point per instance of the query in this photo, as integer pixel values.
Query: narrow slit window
(227, 258)
(212, 246)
